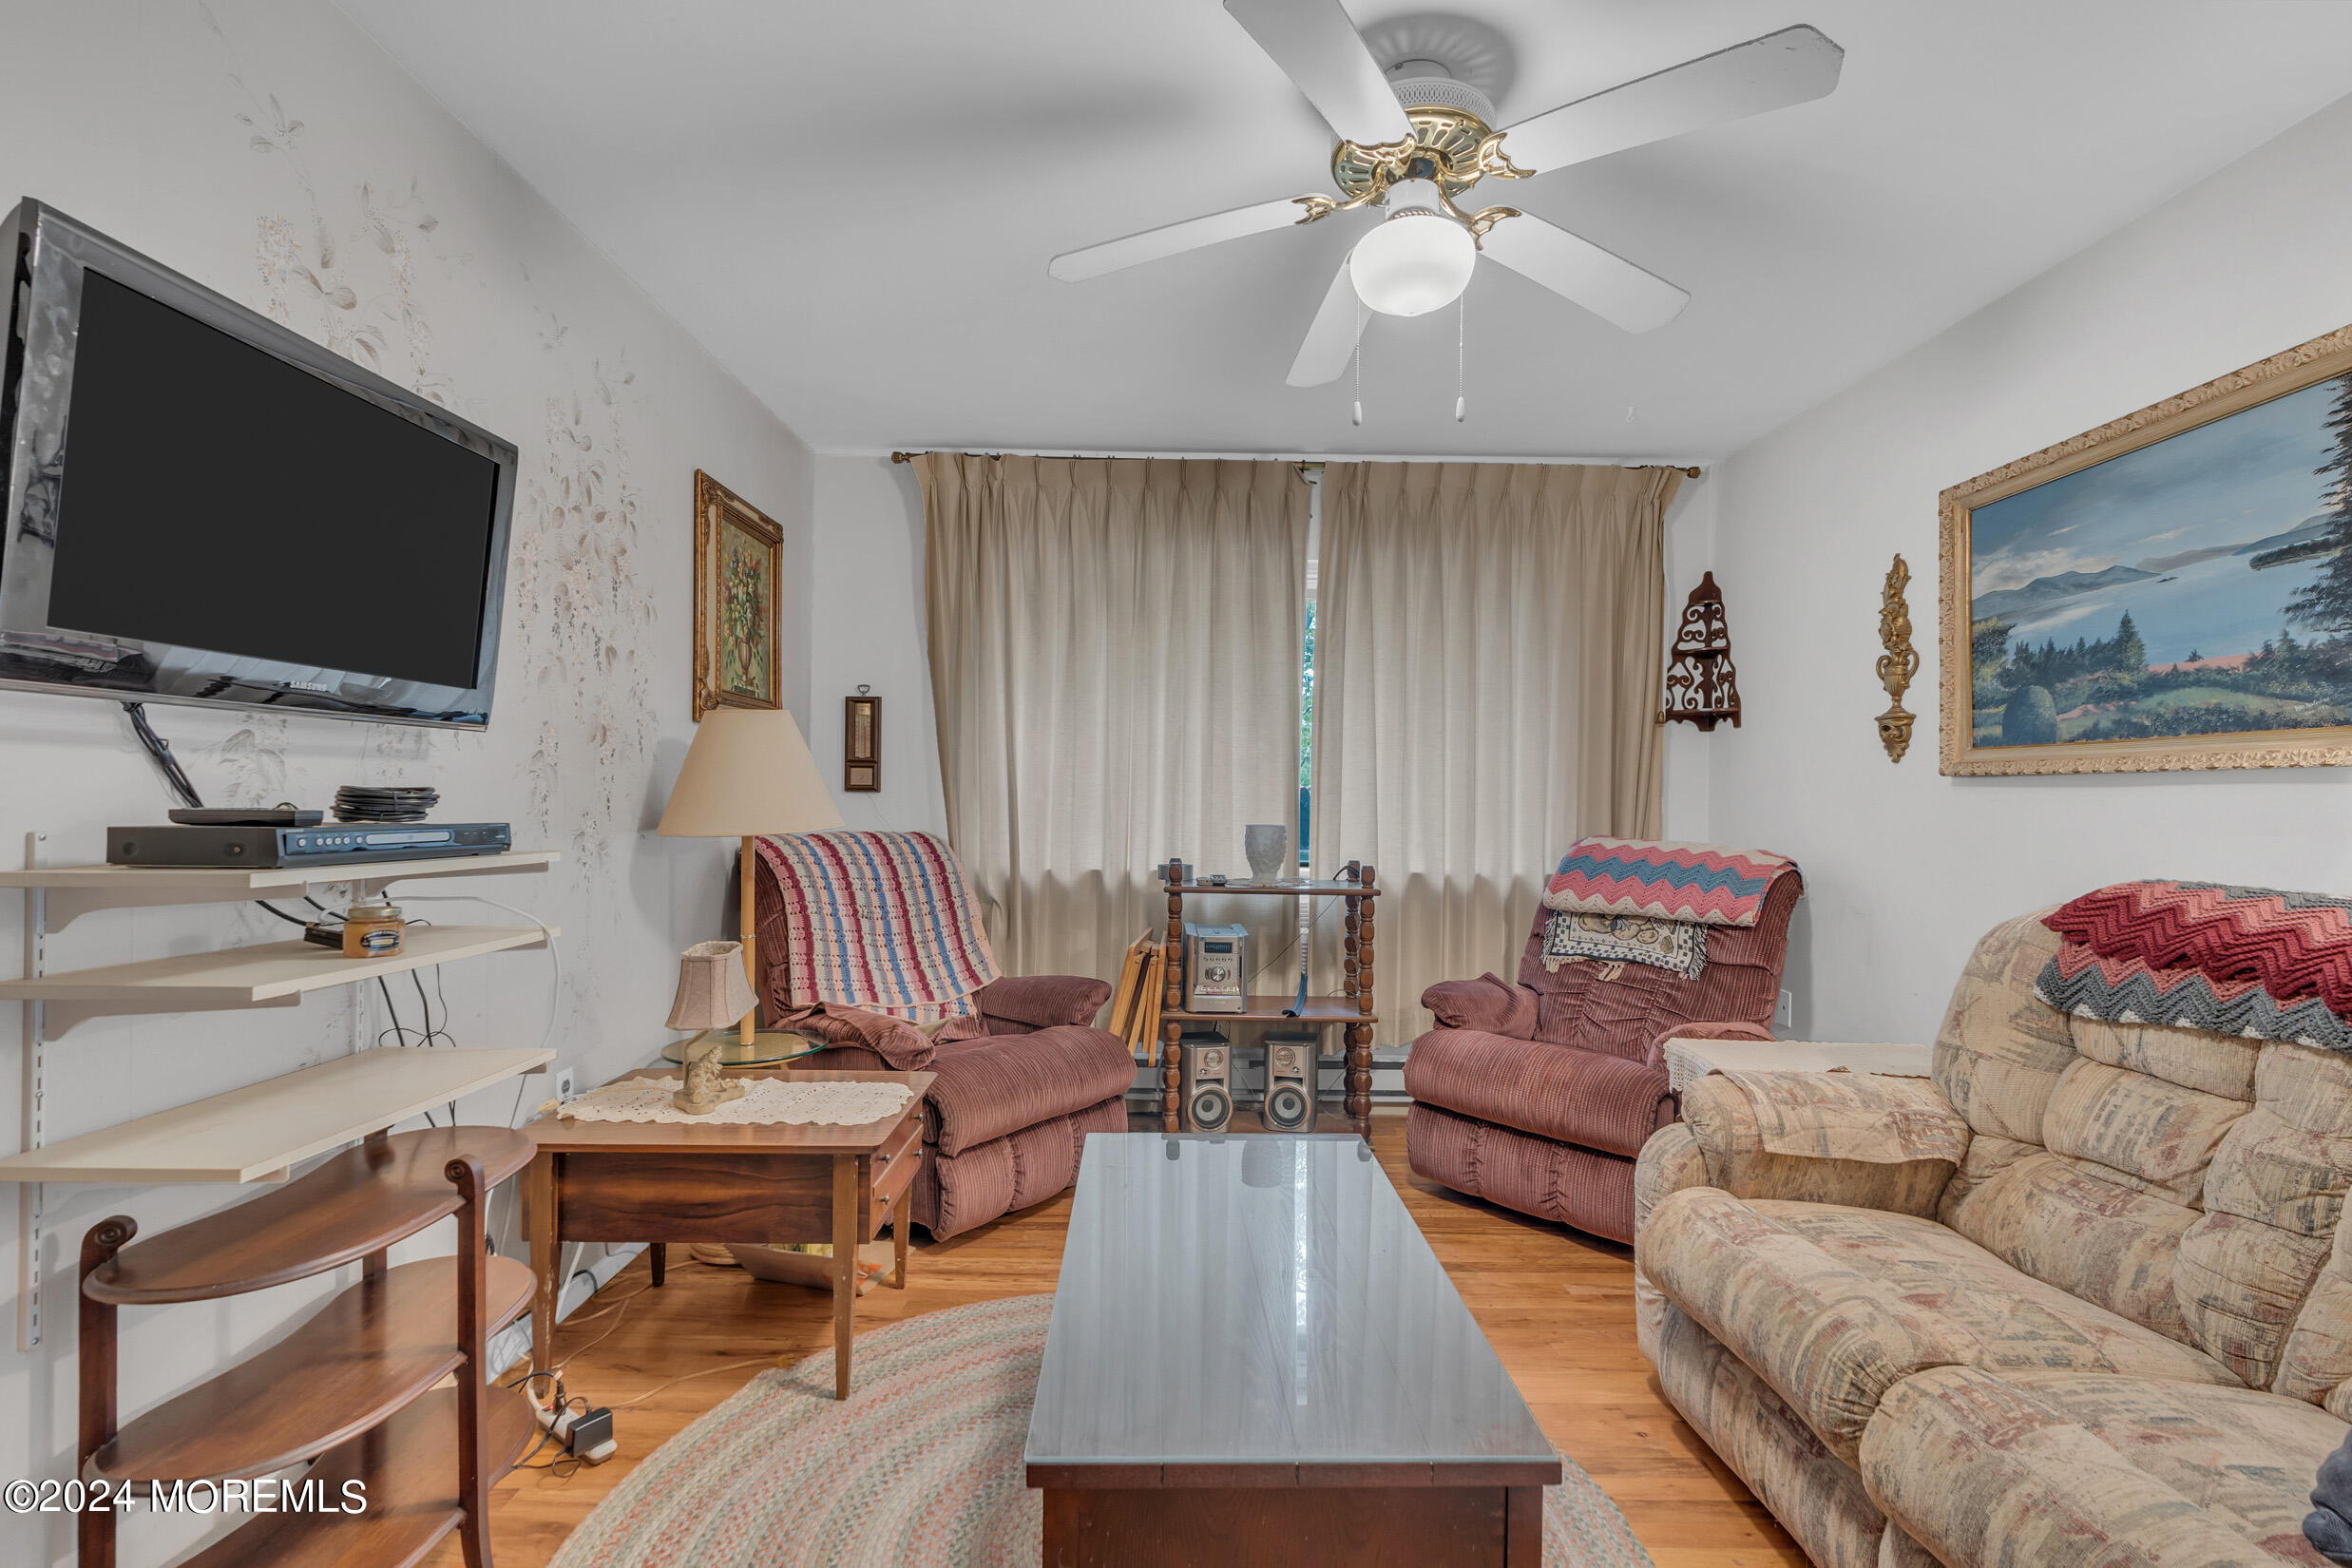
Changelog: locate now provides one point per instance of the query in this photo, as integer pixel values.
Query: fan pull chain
(1462, 336)
(1358, 357)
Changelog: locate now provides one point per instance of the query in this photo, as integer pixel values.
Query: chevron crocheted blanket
(1706, 883)
(2199, 956)
(879, 921)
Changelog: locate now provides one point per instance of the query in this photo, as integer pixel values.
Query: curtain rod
(1687, 471)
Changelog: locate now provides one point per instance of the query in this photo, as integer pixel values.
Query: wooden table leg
(845, 1268)
(898, 1245)
(1523, 1527)
(546, 1254)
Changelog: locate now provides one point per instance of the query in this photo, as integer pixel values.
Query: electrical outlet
(563, 1075)
(1786, 1014)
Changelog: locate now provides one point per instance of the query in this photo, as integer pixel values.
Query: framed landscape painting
(738, 562)
(2172, 590)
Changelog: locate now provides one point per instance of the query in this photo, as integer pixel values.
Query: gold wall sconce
(1898, 663)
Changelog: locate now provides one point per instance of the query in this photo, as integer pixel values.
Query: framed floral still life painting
(738, 563)
(2172, 590)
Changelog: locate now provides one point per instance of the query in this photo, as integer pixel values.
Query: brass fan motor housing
(1451, 147)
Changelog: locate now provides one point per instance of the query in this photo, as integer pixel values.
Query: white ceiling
(852, 204)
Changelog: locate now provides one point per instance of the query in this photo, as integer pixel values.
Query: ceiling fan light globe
(1416, 262)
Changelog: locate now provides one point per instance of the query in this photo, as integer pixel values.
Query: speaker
(1208, 1087)
(1290, 1085)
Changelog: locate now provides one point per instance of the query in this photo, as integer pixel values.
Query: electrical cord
(618, 1310)
(546, 932)
(159, 748)
(722, 1367)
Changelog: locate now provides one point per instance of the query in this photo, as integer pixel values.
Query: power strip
(587, 1435)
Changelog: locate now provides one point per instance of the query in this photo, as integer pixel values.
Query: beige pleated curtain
(1486, 676)
(1115, 666)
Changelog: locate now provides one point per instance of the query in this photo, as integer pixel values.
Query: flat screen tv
(205, 507)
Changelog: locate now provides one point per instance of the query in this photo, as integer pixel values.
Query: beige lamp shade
(747, 772)
(711, 990)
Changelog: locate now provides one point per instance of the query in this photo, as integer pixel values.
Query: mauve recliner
(1537, 1096)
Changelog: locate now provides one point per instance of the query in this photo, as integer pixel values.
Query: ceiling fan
(1415, 138)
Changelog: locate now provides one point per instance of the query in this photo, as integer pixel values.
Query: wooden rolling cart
(1351, 1009)
(353, 1387)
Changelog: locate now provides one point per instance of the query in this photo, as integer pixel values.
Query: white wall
(267, 148)
(866, 626)
(1904, 869)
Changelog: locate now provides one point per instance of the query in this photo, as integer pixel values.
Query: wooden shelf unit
(362, 1200)
(1351, 1010)
(355, 1383)
(405, 1467)
(356, 1360)
(1275, 1009)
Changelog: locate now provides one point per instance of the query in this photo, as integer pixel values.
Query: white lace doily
(764, 1101)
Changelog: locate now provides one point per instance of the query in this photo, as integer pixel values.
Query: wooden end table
(696, 1181)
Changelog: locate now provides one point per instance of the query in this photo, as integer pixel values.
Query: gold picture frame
(2106, 743)
(738, 576)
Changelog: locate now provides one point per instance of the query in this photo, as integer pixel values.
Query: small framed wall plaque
(861, 742)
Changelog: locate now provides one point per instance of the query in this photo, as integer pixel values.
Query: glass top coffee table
(1255, 1358)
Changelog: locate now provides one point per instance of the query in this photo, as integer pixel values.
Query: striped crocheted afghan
(879, 921)
(2199, 956)
(1706, 883)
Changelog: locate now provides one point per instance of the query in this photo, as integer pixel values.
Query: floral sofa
(2080, 1299)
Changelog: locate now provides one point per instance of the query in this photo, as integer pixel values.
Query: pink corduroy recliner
(863, 937)
(1539, 1096)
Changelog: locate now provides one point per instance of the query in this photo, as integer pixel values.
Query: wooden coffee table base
(1264, 1522)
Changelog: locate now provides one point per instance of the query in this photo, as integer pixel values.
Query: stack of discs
(384, 803)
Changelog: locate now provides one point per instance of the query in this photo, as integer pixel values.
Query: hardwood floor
(1556, 1304)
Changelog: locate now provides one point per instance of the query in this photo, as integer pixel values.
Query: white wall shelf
(255, 1133)
(272, 974)
(259, 1132)
(75, 890)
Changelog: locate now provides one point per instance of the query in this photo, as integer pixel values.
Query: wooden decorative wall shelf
(1701, 685)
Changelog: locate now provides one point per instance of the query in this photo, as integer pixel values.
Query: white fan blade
(1318, 48)
(1172, 239)
(1793, 66)
(1333, 337)
(1583, 274)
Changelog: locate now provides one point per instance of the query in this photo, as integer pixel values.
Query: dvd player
(329, 843)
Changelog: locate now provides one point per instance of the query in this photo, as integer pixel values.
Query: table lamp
(747, 772)
(713, 993)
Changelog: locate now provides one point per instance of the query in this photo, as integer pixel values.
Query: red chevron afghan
(2291, 945)
(1706, 883)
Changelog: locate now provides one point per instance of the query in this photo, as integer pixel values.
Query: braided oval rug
(919, 1468)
